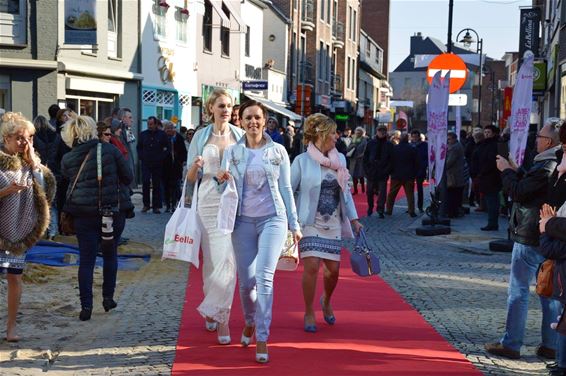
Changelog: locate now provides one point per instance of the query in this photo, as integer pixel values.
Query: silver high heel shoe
(211, 326)
(244, 340)
(262, 357)
(223, 332)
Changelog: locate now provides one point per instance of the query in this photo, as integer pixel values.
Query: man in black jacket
(484, 169)
(153, 148)
(528, 190)
(173, 166)
(377, 166)
(403, 173)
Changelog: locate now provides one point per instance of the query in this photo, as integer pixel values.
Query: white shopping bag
(228, 208)
(182, 233)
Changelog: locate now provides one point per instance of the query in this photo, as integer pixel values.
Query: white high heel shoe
(244, 340)
(262, 357)
(211, 326)
(223, 332)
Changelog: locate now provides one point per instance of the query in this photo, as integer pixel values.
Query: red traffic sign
(449, 62)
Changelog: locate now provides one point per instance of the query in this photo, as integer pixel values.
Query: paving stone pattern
(454, 282)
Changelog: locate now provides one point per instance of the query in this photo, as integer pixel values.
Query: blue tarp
(53, 254)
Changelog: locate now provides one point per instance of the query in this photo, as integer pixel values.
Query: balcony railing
(307, 15)
(338, 34)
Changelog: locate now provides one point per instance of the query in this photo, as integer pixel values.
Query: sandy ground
(48, 316)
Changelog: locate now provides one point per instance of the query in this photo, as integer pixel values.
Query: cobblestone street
(453, 281)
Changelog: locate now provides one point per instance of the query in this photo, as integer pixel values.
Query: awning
(234, 13)
(217, 5)
(275, 107)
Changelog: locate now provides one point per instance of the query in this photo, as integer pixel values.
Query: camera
(107, 229)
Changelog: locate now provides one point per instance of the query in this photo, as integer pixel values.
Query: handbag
(183, 233)
(363, 260)
(289, 258)
(66, 221)
(545, 277)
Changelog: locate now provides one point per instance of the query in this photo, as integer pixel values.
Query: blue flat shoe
(309, 328)
(330, 319)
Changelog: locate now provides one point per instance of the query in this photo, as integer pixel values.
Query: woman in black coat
(95, 204)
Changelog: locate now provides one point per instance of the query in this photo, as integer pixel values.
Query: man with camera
(528, 190)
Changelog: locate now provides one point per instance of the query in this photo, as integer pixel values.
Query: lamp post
(467, 40)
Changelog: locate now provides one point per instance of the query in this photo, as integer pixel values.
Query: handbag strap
(99, 173)
(77, 177)
(361, 241)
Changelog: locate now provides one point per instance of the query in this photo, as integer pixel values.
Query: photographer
(96, 205)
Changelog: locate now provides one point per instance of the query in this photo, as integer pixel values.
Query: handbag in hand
(66, 221)
(364, 262)
(545, 277)
(289, 258)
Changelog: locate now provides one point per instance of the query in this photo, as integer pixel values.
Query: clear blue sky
(496, 21)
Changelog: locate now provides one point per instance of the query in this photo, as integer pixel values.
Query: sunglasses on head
(107, 134)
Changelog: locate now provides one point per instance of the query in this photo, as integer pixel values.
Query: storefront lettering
(165, 65)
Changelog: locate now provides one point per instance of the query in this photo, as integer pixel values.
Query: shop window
(13, 21)
(5, 92)
(99, 106)
(114, 29)
(207, 27)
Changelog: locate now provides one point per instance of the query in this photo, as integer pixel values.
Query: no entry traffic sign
(449, 62)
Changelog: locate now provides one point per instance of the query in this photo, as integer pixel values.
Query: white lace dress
(219, 265)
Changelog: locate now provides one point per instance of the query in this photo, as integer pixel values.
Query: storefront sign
(165, 64)
(529, 31)
(255, 85)
(539, 79)
(307, 96)
(80, 21)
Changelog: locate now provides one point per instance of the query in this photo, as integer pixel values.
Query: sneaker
(545, 352)
(500, 350)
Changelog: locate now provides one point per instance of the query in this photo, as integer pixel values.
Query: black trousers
(420, 193)
(377, 188)
(152, 175)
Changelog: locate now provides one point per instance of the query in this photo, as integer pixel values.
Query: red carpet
(376, 333)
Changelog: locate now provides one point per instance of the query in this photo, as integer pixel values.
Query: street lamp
(468, 40)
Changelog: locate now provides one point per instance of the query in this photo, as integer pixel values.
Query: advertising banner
(437, 125)
(507, 98)
(521, 110)
(80, 21)
(539, 80)
(529, 31)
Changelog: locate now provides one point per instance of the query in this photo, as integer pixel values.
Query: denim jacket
(306, 180)
(277, 169)
(196, 148)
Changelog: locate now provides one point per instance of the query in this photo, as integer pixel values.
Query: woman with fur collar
(26, 190)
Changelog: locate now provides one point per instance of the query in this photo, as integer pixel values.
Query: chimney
(415, 42)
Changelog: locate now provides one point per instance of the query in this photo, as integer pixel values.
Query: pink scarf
(333, 162)
(562, 166)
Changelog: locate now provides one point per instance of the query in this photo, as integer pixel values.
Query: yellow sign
(174, 119)
(165, 65)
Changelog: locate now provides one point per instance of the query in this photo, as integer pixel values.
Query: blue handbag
(363, 260)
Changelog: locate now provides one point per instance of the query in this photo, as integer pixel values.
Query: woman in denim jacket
(326, 212)
(203, 162)
(266, 208)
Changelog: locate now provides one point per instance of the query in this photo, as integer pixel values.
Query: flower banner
(437, 125)
(521, 103)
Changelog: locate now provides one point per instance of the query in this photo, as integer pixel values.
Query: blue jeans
(89, 236)
(492, 207)
(257, 245)
(524, 263)
(53, 228)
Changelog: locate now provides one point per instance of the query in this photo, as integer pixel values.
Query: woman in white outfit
(219, 267)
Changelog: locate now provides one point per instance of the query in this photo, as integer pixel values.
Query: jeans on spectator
(492, 206)
(561, 348)
(152, 176)
(378, 188)
(53, 228)
(257, 247)
(89, 235)
(524, 264)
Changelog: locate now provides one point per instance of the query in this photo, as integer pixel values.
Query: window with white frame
(247, 45)
(321, 60)
(355, 24)
(348, 75)
(181, 17)
(322, 12)
(113, 29)
(159, 17)
(225, 34)
(13, 21)
(5, 92)
(207, 27)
